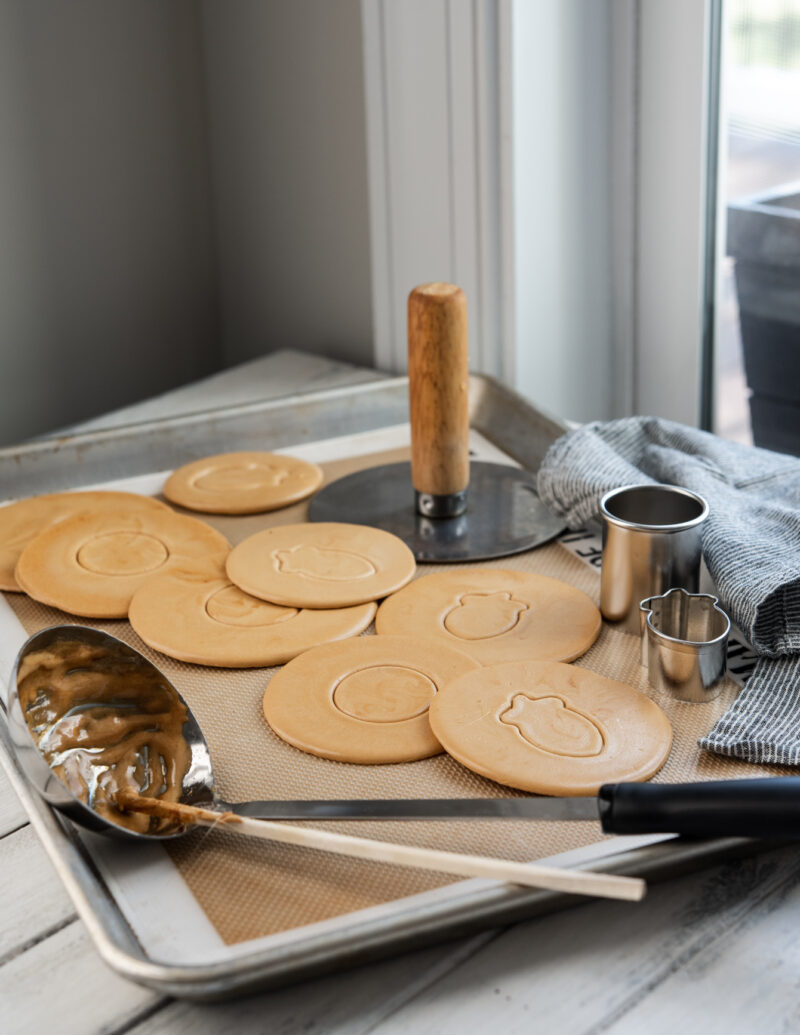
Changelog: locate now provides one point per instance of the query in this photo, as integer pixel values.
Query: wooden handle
(438, 371)
(575, 882)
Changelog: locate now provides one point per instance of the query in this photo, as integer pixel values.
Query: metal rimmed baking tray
(508, 423)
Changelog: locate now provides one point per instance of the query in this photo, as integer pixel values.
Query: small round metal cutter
(684, 644)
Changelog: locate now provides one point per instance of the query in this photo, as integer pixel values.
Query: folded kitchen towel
(751, 545)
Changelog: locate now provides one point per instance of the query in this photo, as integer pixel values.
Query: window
(757, 346)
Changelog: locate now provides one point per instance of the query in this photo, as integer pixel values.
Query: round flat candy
(495, 615)
(91, 564)
(22, 521)
(363, 700)
(320, 564)
(550, 728)
(195, 613)
(242, 483)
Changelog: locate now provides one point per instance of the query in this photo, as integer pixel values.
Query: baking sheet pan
(114, 892)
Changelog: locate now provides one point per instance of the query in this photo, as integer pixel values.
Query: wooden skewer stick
(574, 882)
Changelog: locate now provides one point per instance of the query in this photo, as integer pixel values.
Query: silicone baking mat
(254, 889)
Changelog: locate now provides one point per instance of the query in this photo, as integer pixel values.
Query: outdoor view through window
(757, 390)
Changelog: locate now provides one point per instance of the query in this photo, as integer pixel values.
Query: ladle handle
(438, 372)
(533, 875)
(762, 807)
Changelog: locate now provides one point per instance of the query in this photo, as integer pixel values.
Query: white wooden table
(714, 952)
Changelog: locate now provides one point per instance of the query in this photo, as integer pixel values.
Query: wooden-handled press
(438, 397)
(444, 506)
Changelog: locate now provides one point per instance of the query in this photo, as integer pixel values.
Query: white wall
(106, 269)
(286, 104)
(182, 187)
(185, 186)
(437, 168)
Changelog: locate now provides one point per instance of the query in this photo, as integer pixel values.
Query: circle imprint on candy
(196, 614)
(384, 693)
(550, 728)
(494, 615)
(91, 564)
(320, 565)
(242, 483)
(22, 521)
(364, 701)
(122, 553)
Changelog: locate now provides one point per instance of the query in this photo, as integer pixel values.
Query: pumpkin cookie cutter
(684, 644)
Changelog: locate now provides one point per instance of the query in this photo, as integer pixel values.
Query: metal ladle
(198, 783)
(762, 807)
(198, 790)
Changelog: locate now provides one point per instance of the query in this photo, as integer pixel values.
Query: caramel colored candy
(242, 483)
(322, 564)
(550, 728)
(495, 615)
(363, 700)
(195, 613)
(92, 564)
(22, 521)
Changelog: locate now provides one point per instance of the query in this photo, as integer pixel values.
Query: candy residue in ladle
(104, 720)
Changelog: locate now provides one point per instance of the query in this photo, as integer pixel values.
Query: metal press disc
(504, 515)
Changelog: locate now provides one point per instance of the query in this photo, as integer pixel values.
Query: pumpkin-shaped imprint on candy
(317, 562)
(548, 723)
(477, 616)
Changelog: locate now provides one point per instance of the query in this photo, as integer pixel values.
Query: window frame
(648, 349)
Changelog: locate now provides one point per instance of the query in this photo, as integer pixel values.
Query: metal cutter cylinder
(684, 644)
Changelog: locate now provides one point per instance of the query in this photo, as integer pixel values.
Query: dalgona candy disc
(365, 700)
(242, 483)
(195, 613)
(495, 615)
(91, 564)
(321, 564)
(550, 728)
(22, 521)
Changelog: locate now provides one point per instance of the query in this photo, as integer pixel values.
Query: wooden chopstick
(573, 882)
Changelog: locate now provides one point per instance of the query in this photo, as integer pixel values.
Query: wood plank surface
(60, 985)
(602, 968)
(715, 952)
(718, 951)
(745, 977)
(34, 901)
(12, 814)
(351, 1001)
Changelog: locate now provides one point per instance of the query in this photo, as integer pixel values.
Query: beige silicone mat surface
(251, 889)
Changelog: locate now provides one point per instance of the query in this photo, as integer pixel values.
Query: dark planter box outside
(764, 239)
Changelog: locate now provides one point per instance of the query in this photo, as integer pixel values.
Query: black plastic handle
(767, 808)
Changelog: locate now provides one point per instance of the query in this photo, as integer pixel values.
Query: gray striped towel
(751, 545)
